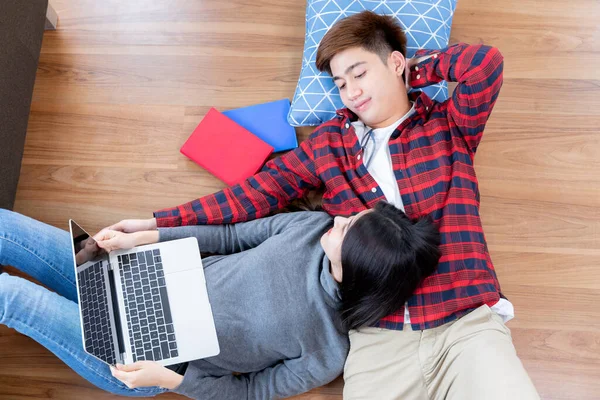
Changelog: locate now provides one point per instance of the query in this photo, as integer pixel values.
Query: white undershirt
(377, 152)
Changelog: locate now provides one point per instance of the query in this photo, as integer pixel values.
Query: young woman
(284, 292)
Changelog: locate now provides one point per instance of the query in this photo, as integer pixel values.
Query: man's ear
(398, 61)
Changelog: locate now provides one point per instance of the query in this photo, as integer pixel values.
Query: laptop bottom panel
(150, 297)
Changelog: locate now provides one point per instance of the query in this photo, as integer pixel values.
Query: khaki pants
(472, 358)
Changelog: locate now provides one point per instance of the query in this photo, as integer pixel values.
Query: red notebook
(225, 149)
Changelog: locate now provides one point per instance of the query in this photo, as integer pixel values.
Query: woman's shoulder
(305, 217)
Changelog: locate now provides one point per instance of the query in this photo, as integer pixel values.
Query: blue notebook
(268, 121)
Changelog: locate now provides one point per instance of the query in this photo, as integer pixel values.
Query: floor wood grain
(120, 86)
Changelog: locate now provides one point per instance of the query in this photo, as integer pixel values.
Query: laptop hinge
(110, 267)
(120, 345)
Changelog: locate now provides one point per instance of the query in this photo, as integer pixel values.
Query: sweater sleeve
(234, 238)
(285, 379)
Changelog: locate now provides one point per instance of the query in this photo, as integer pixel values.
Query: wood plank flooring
(120, 86)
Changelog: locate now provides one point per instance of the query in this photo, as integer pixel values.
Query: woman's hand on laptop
(146, 373)
(133, 225)
(110, 240)
(127, 226)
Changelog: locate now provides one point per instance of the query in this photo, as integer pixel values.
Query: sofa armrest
(21, 33)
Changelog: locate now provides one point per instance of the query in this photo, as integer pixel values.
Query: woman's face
(331, 241)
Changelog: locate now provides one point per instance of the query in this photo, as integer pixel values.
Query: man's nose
(353, 91)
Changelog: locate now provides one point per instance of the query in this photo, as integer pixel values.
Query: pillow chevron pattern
(426, 24)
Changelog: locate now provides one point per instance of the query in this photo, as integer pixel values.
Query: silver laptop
(145, 303)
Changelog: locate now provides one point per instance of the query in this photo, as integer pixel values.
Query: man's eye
(342, 86)
(361, 75)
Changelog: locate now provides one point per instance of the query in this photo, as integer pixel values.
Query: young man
(450, 341)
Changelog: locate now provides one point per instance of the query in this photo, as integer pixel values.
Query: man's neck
(402, 111)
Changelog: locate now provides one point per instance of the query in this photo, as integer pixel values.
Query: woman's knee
(9, 221)
(5, 220)
(18, 298)
(8, 218)
(9, 285)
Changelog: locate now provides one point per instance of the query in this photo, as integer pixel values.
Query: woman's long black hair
(385, 256)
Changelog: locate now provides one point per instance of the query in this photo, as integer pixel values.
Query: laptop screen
(95, 287)
(86, 248)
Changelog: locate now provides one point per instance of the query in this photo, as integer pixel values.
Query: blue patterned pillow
(426, 23)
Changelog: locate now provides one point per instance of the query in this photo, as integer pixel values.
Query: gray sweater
(275, 306)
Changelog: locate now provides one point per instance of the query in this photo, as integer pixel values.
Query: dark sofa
(21, 31)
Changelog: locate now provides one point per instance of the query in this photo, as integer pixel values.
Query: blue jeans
(52, 319)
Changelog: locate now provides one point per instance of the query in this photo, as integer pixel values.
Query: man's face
(370, 88)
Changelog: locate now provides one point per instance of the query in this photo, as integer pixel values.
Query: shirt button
(435, 56)
(416, 68)
(426, 108)
(418, 76)
(374, 190)
(347, 125)
(358, 157)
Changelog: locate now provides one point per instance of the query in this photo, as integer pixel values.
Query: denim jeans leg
(39, 250)
(53, 321)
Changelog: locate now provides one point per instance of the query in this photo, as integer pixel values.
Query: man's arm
(281, 180)
(286, 379)
(478, 71)
(234, 238)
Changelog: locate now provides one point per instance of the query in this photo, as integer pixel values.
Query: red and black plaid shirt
(432, 155)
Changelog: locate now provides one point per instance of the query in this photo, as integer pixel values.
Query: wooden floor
(121, 84)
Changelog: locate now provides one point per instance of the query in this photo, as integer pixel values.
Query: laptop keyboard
(95, 312)
(149, 321)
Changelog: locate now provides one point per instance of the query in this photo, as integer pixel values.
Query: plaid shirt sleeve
(478, 71)
(280, 181)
